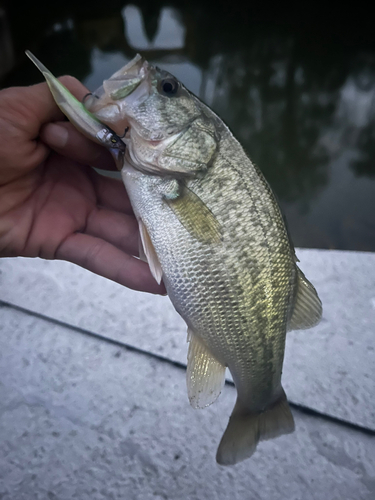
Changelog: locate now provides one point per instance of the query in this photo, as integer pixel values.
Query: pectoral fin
(205, 376)
(308, 307)
(141, 251)
(195, 216)
(149, 252)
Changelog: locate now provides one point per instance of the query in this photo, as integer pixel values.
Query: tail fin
(246, 429)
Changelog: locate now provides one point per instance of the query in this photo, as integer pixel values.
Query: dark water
(296, 87)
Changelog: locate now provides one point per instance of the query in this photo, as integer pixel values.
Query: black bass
(211, 228)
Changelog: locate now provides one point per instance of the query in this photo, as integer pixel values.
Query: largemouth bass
(211, 228)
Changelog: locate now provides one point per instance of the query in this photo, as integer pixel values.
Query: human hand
(53, 205)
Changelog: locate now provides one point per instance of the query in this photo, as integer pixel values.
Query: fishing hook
(87, 95)
(126, 131)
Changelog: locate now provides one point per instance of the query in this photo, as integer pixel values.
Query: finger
(110, 192)
(119, 229)
(63, 138)
(106, 260)
(23, 110)
(26, 108)
(39, 108)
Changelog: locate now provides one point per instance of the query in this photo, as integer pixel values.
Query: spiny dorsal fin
(307, 309)
(150, 253)
(205, 376)
(195, 216)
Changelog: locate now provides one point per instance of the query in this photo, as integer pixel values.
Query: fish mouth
(129, 86)
(111, 102)
(116, 105)
(123, 83)
(132, 68)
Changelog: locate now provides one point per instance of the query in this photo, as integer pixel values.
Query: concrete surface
(83, 418)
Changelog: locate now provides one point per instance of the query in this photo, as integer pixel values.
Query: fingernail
(55, 135)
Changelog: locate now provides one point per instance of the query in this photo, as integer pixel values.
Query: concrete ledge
(83, 419)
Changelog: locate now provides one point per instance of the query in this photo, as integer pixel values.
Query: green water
(296, 88)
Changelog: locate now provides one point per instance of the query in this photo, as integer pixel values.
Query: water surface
(297, 89)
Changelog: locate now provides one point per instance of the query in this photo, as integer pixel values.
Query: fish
(211, 228)
(80, 117)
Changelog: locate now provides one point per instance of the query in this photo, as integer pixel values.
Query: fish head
(157, 118)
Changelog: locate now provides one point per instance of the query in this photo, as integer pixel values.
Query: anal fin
(205, 375)
(307, 309)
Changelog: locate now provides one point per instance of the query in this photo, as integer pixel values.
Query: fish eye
(169, 86)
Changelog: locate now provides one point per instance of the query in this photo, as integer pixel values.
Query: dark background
(295, 84)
